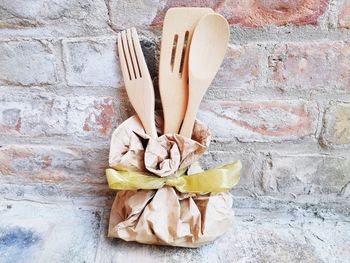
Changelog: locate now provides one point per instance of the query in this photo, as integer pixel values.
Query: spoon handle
(190, 116)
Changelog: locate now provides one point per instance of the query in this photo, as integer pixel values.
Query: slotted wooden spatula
(179, 24)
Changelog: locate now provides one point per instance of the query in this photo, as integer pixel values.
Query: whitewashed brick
(27, 63)
(139, 13)
(53, 17)
(92, 63)
(336, 128)
(307, 175)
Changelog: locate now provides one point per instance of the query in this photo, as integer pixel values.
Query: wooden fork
(138, 82)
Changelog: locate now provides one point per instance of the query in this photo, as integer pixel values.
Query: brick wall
(280, 103)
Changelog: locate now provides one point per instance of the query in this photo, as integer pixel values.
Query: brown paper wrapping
(133, 150)
(164, 216)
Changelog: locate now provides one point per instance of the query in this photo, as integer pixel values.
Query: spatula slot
(183, 54)
(172, 60)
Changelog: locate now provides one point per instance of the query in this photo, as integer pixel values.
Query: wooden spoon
(179, 24)
(208, 48)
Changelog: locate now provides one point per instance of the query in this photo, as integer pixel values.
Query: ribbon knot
(175, 182)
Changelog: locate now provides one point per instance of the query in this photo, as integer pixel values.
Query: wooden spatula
(208, 48)
(179, 24)
(138, 82)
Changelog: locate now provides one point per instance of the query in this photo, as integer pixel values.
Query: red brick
(158, 19)
(50, 115)
(240, 68)
(54, 163)
(344, 15)
(322, 65)
(99, 118)
(260, 121)
(256, 13)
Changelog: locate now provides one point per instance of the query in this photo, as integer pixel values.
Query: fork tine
(127, 54)
(139, 54)
(134, 57)
(123, 62)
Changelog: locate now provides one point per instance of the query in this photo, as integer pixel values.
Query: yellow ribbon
(220, 179)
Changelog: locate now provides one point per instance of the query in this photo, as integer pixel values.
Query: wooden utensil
(138, 82)
(208, 48)
(178, 26)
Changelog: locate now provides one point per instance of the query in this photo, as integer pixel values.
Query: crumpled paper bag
(164, 216)
(133, 150)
